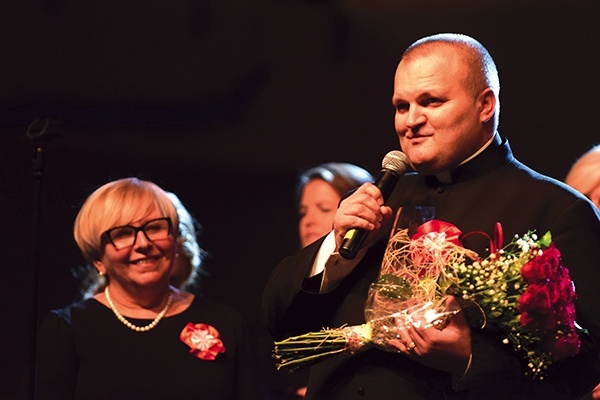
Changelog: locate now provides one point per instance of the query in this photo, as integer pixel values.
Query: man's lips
(417, 136)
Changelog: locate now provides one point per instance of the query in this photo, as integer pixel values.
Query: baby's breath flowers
(523, 291)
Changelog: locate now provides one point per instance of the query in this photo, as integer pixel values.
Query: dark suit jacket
(493, 187)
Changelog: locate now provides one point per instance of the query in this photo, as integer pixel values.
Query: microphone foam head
(397, 161)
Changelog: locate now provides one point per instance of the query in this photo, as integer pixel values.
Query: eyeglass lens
(125, 236)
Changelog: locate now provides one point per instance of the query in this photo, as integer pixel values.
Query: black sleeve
(291, 302)
(57, 361)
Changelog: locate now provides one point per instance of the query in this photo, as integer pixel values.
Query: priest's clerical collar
(446, 176)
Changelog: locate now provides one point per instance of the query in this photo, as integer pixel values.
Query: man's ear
(487, 104)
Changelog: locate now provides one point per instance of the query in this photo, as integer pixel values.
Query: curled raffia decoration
(423, 261)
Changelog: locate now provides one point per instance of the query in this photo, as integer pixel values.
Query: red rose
(534, 271)
(552, 256)
(554, 292)
(536, 308)
(203, 339)
(543, 267)
(565, 284)
(536, 298)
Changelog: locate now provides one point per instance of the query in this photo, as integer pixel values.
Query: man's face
(438, 120)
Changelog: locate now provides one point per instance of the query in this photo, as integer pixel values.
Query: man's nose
(415, 117)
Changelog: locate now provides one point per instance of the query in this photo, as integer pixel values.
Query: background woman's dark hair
(343, 177)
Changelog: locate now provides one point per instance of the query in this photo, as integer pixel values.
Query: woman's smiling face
(146, 262)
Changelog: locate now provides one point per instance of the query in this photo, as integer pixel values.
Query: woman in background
(319, 190)
(140, 337)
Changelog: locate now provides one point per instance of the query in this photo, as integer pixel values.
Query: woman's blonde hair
(119, 203)
(190, 252)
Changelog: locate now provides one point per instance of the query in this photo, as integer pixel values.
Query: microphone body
(394, 165)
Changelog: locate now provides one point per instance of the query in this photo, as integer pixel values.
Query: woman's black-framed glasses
(125, 236)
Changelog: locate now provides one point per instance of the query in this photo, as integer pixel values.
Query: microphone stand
(39, 139)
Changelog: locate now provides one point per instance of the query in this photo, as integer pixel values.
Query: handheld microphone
(394, 165)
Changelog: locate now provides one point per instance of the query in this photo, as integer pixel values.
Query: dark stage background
(224, 102)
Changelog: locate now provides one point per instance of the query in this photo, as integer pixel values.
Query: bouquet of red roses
(525, 291)
(522, 291)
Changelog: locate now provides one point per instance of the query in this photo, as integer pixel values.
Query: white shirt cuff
(334, 266)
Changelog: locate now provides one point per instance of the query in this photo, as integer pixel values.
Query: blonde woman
(140, 337)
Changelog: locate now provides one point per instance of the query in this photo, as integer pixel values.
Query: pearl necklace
(131, 326)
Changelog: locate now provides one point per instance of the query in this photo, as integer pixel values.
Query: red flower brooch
(203, 339)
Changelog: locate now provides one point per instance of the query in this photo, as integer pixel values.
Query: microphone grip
(352, 241)
(354, 238)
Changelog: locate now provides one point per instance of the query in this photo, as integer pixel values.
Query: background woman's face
(317, 207)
